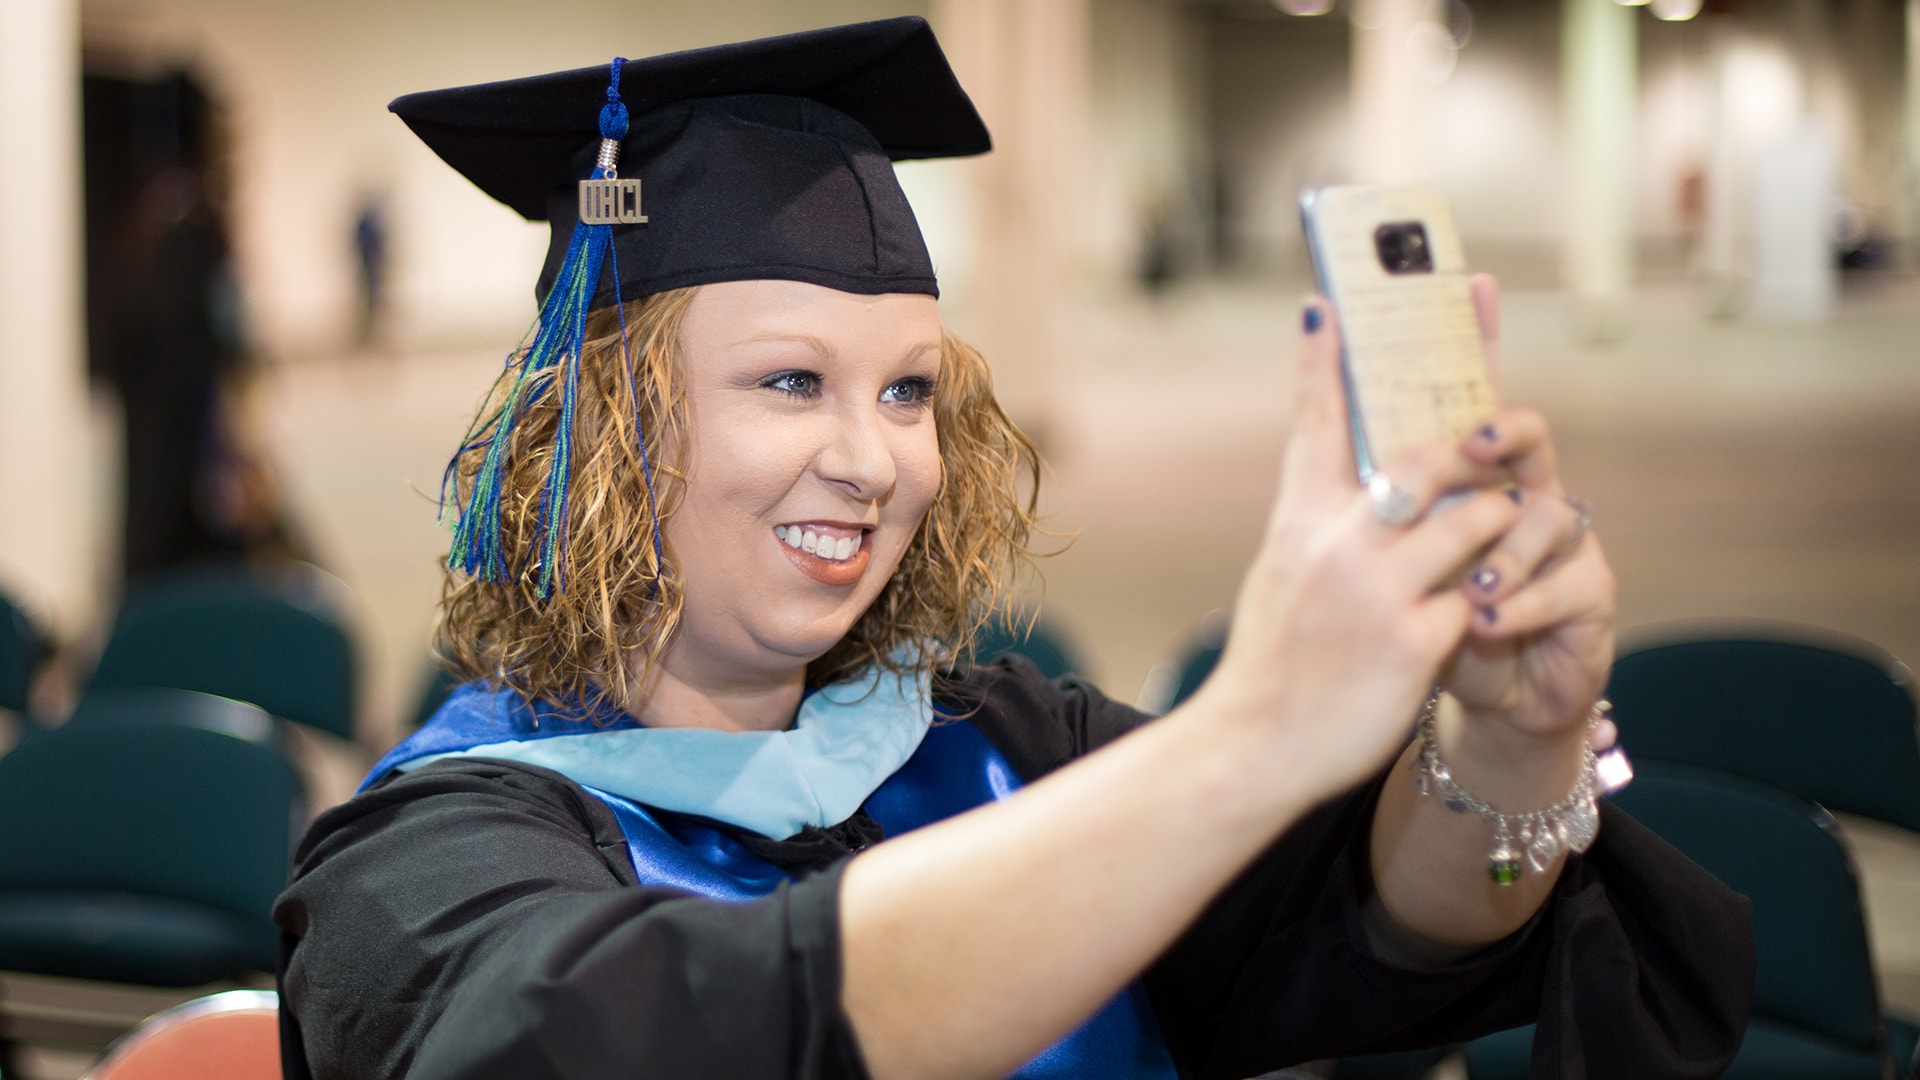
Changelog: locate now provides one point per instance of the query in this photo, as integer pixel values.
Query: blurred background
(247, 315)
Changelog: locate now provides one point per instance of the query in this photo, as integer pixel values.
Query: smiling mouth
(830, 543)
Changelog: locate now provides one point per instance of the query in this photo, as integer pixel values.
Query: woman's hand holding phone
(1541, 637)
(1419, 364)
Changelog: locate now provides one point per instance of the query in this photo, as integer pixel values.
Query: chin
(805, 641)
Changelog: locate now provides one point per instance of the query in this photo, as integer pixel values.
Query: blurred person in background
(165, 332)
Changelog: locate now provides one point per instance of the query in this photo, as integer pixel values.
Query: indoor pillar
(1391, 129)
(1719, 263)
(1912, 158)
(1599, 68)
(48, 544)
(1026, 64)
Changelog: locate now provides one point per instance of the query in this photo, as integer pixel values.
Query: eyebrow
(774, 338)
(819, 345)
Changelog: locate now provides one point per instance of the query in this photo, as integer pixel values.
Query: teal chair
(144, 853)
(1039, 641)
(21, 651)
(180, 708)
(1175, 680)
(1816, 1013)
(1406, 1065)
(1829, 719)
(278, 639)
(437, 684)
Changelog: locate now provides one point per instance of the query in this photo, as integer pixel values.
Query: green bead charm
(1504, 871)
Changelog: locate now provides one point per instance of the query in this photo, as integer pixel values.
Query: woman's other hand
(1541, 636)
(1535, 652)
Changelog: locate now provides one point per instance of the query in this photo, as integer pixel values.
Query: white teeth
(834, 549)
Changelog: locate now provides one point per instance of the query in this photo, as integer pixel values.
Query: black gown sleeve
(1640, 964)
(482, 919)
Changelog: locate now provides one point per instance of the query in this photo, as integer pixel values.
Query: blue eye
(915, 391)
(794, 383)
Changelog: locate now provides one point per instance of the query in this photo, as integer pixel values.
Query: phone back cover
(1413, 362)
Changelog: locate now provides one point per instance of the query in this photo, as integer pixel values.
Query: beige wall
(50, 512)
(1149, 115)
(1279, 102)
(307, 85)
(1177, 88)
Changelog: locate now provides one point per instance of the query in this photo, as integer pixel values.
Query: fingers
(1485, 290)
(1437, 550)
(1434, 474)
(1519, 440)
(1547, 528)
(1320, 465)
(1579, 588)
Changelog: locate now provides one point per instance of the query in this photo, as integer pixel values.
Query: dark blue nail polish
(1312, 318)
(1489, 433)
(1490, 615)
(1514, 493)
(1486, 579)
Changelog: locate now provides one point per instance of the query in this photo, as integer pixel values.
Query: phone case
(1411, 356)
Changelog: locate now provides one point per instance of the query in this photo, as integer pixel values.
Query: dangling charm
(1582, 825)
(1543, 848)
(1503, 862)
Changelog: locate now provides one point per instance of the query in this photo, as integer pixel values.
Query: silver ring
(1582, 521)
(1392, 504)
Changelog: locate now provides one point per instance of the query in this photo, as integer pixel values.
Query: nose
(857, 455)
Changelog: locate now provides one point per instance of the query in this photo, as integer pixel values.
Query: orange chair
(233, 1035)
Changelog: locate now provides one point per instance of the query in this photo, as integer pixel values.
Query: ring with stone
(1582, 521)
(1392, 504)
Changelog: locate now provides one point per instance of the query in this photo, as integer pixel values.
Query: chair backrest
(1815, 967)
(437, 684)
(277, 639)
(165, 810)
(180, 708)
(1174, 681)
(1829, 720)
(20, 652)
(1041, 642)
(233, 1035)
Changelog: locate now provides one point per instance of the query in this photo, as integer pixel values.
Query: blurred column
(1026, 64)
(1719, 264)
(1795, 186)
(1390, 116)
(47, 544)
(1795, 181)
(1599, 66)
(1913, 132)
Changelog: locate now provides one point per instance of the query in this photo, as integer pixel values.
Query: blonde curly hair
(618, 600)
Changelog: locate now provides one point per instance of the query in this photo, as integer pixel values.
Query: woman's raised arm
(973, 944)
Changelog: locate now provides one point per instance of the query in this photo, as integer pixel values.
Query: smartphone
(1390, 262)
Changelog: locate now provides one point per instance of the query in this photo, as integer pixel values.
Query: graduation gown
(478, 918)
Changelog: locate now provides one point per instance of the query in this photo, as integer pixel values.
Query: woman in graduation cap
(720, 801)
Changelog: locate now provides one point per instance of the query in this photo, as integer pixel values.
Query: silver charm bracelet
(1538, 835)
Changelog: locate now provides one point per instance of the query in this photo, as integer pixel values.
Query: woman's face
(811, 459)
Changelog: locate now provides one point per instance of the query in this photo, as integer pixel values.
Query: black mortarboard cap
(762, 159)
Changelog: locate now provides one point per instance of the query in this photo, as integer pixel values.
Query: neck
(676, 698)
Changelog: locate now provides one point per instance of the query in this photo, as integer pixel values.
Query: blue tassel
(553, 355)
